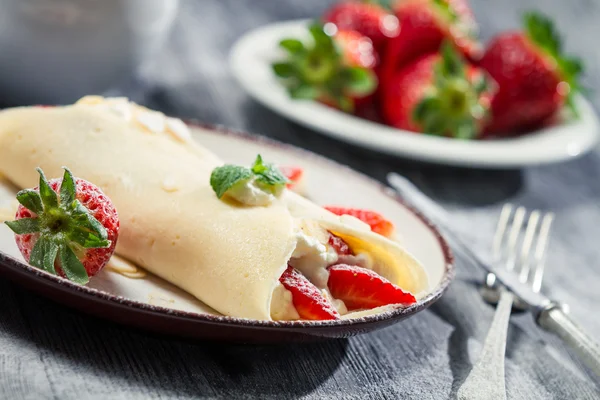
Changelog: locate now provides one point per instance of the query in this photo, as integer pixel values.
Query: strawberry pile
(418, 65)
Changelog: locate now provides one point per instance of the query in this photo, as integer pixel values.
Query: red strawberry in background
(361, 288)
(335, 69)
(424, 25)
(534, 78)
(438, 94)
(377, 222)
(370, 20)
(67, 227)
(306, 297)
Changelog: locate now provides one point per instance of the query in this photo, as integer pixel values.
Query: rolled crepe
(228, 255)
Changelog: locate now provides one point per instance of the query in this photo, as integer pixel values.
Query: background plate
(250, 61)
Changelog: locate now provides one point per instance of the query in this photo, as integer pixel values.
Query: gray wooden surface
(50, 352)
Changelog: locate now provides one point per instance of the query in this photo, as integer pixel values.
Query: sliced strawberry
(294, 175)
(377, 222)
(339, 245)
(307, 298)
(361, 288)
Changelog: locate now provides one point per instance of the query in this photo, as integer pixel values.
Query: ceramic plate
(250, 61)
(154, 304)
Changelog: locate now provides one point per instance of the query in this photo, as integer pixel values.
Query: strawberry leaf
(361, 81)
(24, 225)
(293, 46)
(86, 221)
(87, 239)
(31, 200)
(43, 254)
(67, 190)
(284, 69)
(305, 92)
(224, 177)
(49, 197)
(71, 266)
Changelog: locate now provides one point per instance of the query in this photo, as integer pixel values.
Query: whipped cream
(247, 192)
(282, 307)
(313, 254)
(148, 120)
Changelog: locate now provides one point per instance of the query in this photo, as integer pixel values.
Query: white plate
(250, 60)
(129, 301)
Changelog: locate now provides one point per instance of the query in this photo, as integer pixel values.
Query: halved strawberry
(336, 68)
(361, 288)
(377, 222)
(307, 298)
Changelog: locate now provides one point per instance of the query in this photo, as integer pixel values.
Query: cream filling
(282, 307)
(249, 193)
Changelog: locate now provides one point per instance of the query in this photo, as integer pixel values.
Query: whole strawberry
(336, 68)
(534, 78)
(67, 227)
(424, 25)
(371, 20)
(438, 94)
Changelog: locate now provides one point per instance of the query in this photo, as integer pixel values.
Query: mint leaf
(31, 200)
(270, 177)
(24, 225)
(71, 266)
(223, 178)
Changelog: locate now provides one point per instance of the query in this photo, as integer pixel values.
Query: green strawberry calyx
(257, 185)
(65, 228)
(453, 104)
(542, 32)
(317, 71)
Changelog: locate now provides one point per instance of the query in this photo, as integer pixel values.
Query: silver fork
(516, 250)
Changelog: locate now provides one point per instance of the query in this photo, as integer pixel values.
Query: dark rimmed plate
(155, 305)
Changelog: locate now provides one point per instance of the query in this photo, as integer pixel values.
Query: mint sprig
(267, 177)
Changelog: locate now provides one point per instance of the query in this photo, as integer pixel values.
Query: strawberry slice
(294, 175)
(361, 288)
(307, 298)
(339, 245)
(377, 222)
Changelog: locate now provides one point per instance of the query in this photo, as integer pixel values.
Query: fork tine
(527, 242)
(500, 230)
(513, 237)
(540, 251)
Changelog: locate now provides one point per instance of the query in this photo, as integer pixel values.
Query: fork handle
(486, 379)
(555, 320)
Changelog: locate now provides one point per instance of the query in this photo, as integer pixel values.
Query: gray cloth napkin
(50, 352)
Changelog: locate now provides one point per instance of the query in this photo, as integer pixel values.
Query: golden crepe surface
(228, 255)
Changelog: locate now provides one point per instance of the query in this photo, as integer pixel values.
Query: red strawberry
(67, 227)
(371, 20)
(534, 78)
(335, 69)
(361, 288)
(424, 25)
(294, 174)
(438, 94)
(307, 298)
(376, 221)
(339, 245)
